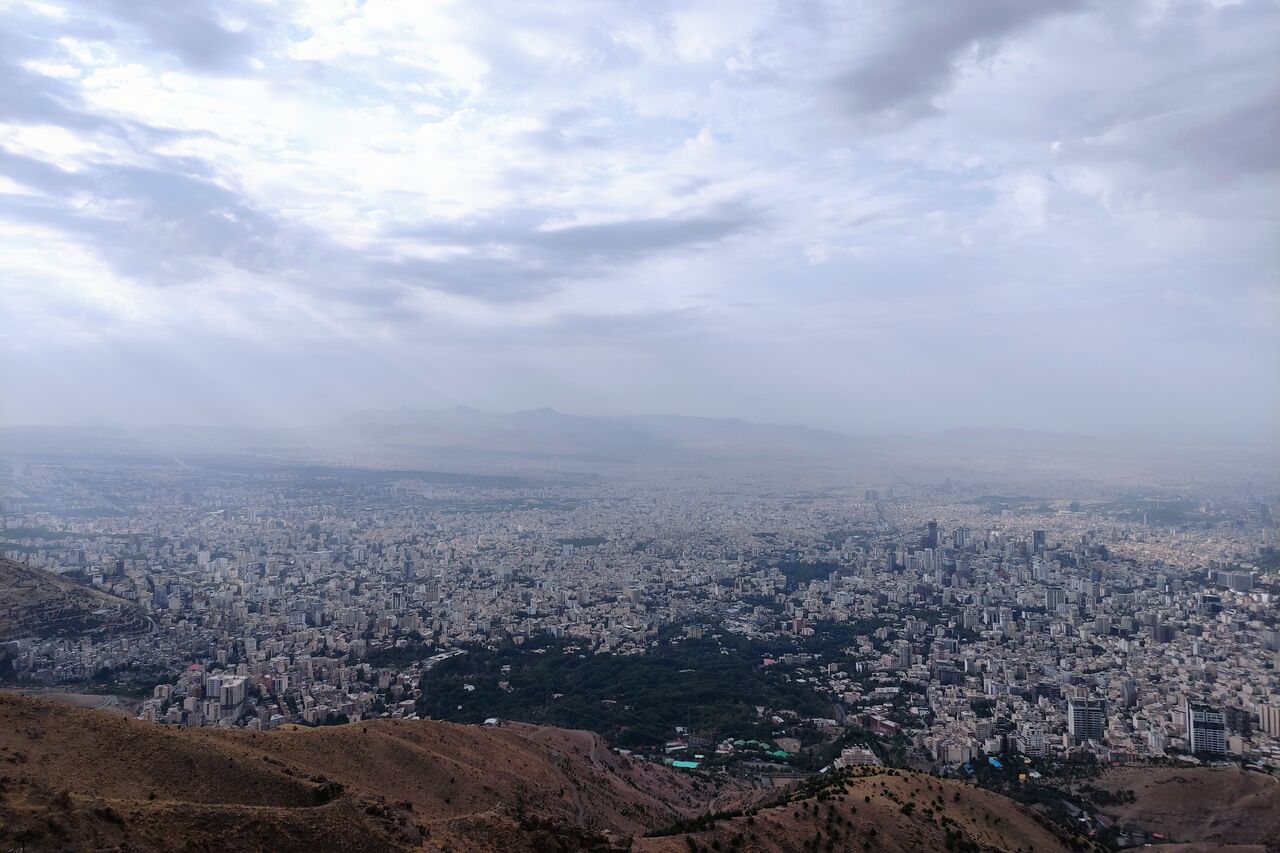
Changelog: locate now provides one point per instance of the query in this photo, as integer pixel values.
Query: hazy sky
(866, 215)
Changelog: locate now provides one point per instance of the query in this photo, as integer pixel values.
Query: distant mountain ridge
(542, 432)
(617, 437)
(549, 442)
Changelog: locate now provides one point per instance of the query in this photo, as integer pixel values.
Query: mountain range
(544, 440)
(460, 432)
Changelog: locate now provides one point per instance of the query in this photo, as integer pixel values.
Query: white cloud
(676, 184)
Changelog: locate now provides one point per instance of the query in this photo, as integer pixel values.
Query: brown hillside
(1198, 804)
(75, 779)
(871, 812)
(83, 780)
(36, 603)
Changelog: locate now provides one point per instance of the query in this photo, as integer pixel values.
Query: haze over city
(877, 218)
(639, 426)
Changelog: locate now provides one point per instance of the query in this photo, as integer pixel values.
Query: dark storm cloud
(920, 45)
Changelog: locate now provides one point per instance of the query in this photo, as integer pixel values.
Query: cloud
(163, 223)
(797, 205)
(911, 53)
(188, 32)
(633, 237)
(525, 254)
(37, 98)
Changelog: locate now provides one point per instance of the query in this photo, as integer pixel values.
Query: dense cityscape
(937, 626)
(645, 427)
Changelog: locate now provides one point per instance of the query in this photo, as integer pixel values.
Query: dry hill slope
(83, 780)
(36, 603)
(892, 810)
(1209, 805)
(74, 779)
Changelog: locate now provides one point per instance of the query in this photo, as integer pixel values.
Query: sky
(885, 216)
